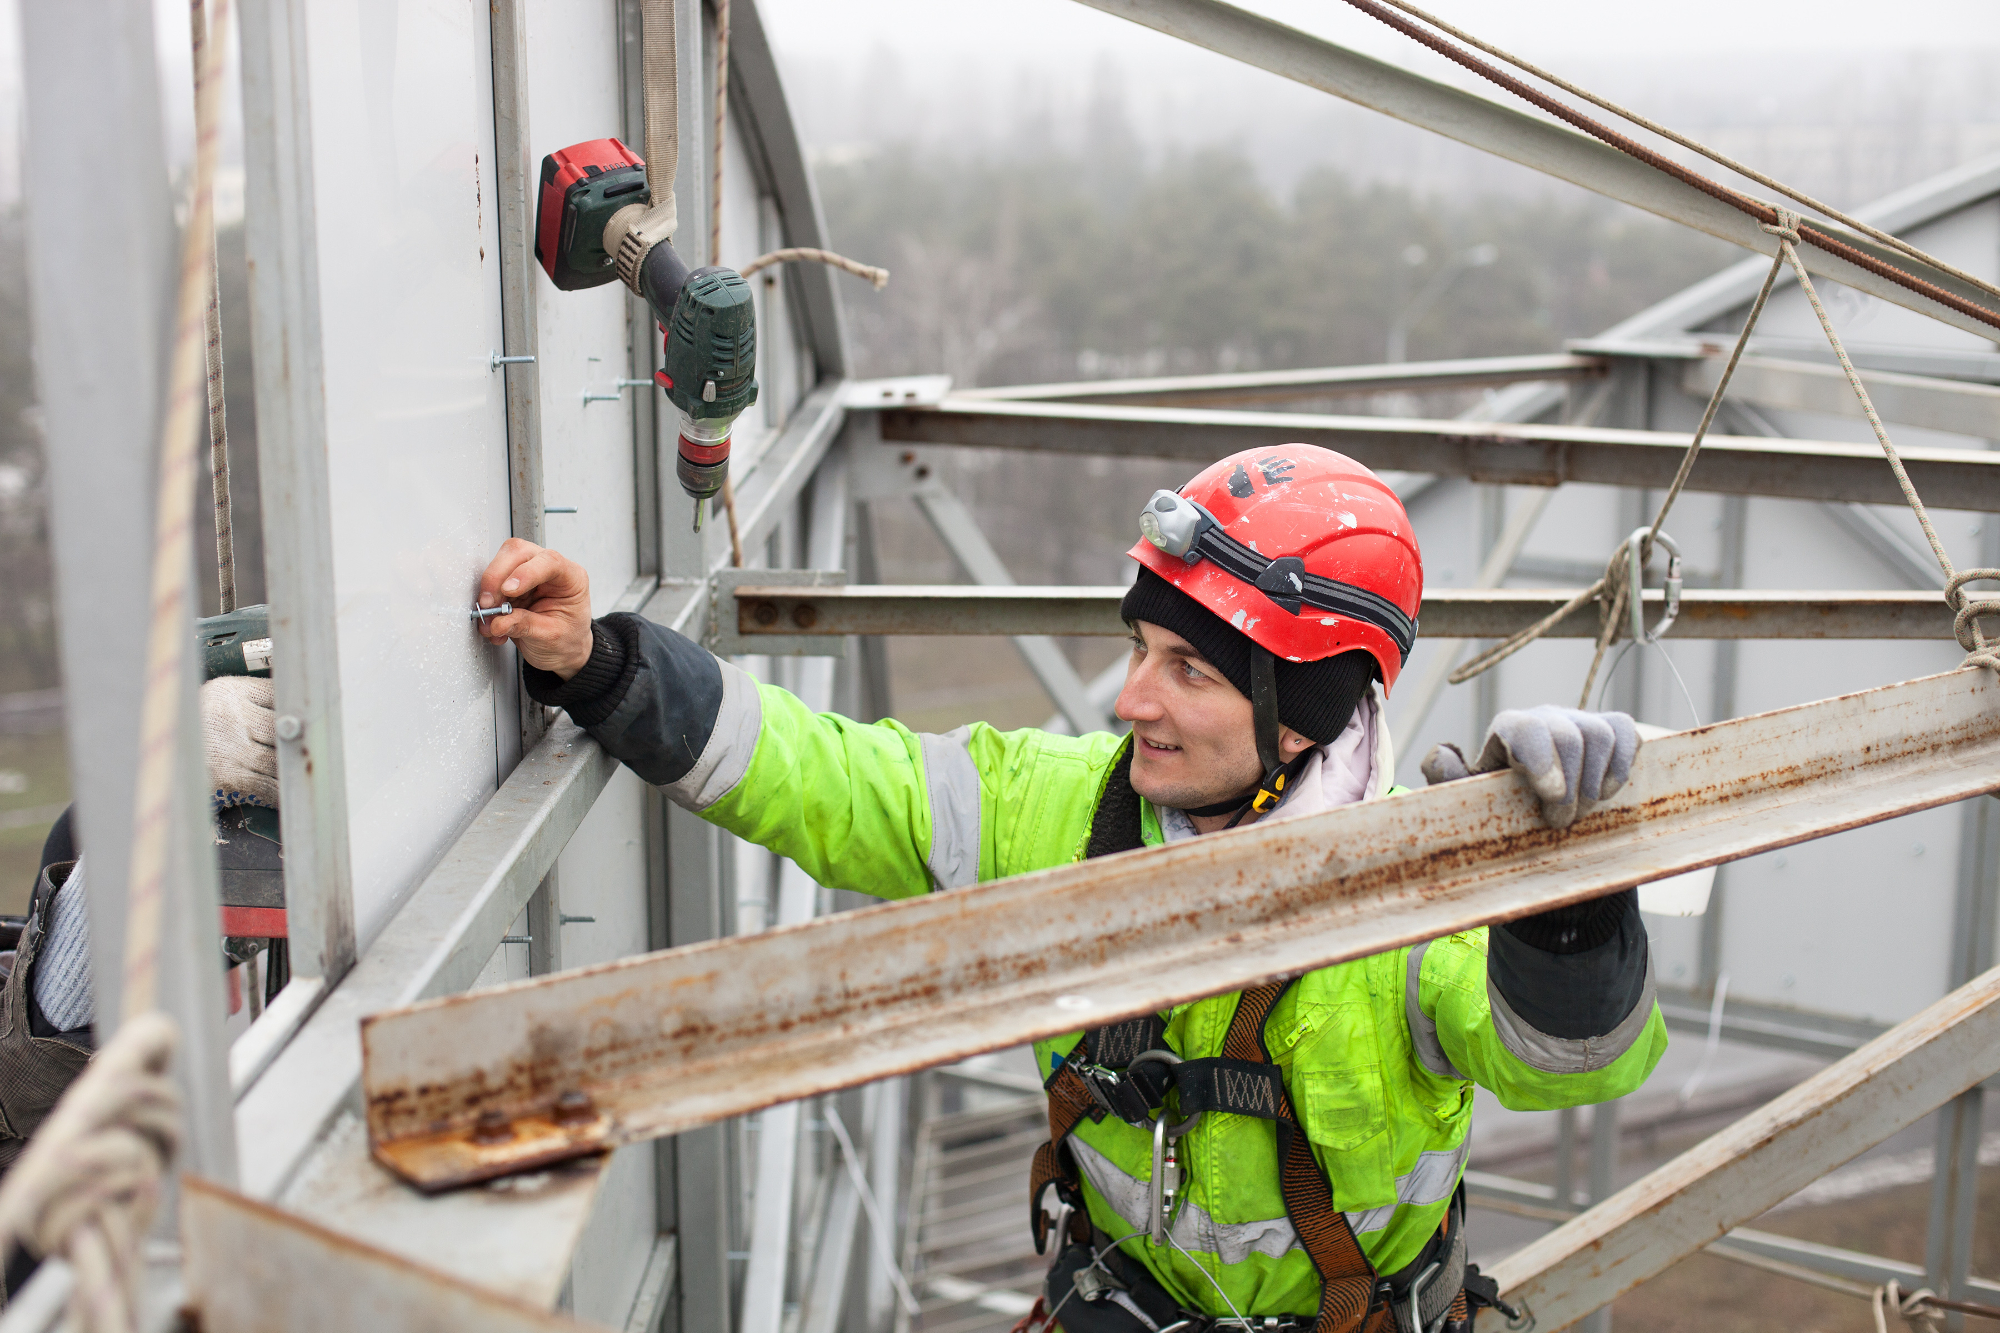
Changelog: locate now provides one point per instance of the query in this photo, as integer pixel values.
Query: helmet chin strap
(1270, 755)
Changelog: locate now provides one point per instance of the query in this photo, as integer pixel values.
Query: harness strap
(1347, 1280)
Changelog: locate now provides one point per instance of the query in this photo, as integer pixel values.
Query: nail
(510, 585)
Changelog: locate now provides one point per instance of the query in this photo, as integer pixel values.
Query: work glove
(1568, 758)
(239, 740)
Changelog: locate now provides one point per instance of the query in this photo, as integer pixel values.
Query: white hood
(1357, 765)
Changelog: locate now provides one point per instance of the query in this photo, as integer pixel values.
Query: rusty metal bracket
(786, 632)
(668, 1041)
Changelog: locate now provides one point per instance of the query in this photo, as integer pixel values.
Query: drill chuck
(703, 463)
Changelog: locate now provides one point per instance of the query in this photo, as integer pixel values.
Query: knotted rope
(90, 1181)
(1914, 1309)
(1967, 611)
(91, 1178)
(1612, 590)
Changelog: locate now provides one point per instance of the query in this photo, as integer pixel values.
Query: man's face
(1194, 742)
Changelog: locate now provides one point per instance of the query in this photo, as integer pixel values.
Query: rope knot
(1786, 227)
(1914, 1309)
(1968, 611)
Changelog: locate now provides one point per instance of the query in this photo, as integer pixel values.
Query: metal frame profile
(1502, 453)
(672, 1040)
(780, 618)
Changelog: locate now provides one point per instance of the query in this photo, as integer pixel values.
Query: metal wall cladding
(408, 240)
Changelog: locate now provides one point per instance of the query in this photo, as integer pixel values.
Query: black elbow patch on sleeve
(1573, 995)
(666, 713)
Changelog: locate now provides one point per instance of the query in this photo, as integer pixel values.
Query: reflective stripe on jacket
(1380, 1054)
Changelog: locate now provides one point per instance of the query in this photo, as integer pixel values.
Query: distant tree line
(1016, 271)
(1012, 271)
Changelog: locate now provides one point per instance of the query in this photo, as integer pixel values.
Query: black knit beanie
(1315, 699)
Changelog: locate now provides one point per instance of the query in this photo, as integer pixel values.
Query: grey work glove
(1568, 758)
(239, 739)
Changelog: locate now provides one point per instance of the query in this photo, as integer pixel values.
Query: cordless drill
(249, 852)
(589, 191)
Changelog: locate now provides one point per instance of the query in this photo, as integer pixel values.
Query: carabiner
(1636, 582)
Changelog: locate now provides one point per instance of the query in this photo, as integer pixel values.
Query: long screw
(505, 608)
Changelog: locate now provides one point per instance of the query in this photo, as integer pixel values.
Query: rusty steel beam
(477, 1085)
(794, 613)
(1759, 1161)
(1273, 386)
(1484, 451)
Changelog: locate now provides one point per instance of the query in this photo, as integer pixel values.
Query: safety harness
(1127, 1069)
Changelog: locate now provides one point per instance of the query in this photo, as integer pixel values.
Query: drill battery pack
(582, 186)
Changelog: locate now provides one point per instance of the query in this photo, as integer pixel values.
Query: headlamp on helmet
(1175, 523)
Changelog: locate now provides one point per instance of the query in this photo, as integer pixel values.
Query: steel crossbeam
(478, 1085)
(789, 614)
(1492, 452)
(1266, 386)
(1762, 1159)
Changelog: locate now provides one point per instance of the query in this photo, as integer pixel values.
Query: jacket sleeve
(874, 808)
(1540, 1029)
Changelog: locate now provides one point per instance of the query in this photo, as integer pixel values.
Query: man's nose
(1138, 701)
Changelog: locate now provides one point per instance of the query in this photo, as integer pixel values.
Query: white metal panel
(416, 435)
(586, 446)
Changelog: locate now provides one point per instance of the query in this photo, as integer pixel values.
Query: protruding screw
(805, 615)
(289, 728)
(488, 612)
(574, 1106)
(766, 613)
(492, 1127)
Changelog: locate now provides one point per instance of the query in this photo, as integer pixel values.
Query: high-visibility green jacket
(1380, 1055)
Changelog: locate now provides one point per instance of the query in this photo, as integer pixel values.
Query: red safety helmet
(1303, 550)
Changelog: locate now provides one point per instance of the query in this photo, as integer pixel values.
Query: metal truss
(483, 1084)
(790, 618)
(1264, 386)
(1759, 1161)
(1493, 452)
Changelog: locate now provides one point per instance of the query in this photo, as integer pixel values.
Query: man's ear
(1291, 744)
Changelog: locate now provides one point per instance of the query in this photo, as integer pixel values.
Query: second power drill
(706, 314)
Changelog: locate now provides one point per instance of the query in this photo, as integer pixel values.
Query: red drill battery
(582, 186)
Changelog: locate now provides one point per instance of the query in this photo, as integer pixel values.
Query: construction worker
(1289, 1156)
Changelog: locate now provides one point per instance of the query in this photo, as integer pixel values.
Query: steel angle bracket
(252, 1267)
(732, 619)
(667, 1041)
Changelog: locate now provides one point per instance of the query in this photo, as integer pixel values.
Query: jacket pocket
(1341, 1108)
(1346, 1118)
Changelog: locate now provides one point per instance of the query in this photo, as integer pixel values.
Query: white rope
(1965, 624)
(1915, 1309)
(811, 255)
(1612, 588)
(90, 1181)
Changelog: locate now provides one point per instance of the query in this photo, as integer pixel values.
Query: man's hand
(1568, 758)
(239, 740)
(550, 594)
